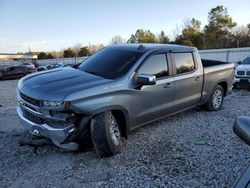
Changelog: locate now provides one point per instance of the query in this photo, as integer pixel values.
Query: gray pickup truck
(119, 88)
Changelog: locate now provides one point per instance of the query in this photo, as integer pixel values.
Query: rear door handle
(168, 85)
(198, 78)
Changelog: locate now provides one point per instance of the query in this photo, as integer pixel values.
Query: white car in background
(242, 73)
(30, 65)
(52, 66)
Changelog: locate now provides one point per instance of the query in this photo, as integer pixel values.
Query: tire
(216, 99)
(105, 134)
(235, 86)
(83, 137)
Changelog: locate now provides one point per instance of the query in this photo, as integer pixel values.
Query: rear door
(9, 72)
(188, 80)
(18, 72)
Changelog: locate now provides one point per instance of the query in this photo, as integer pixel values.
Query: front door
(153, 101)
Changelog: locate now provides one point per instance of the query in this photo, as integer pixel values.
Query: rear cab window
(184, 62)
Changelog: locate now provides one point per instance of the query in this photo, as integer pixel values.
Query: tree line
(220, 32)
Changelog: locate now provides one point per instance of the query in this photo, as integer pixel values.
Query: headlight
(53, 103)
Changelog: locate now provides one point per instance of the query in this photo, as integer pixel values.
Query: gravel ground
(162, 154)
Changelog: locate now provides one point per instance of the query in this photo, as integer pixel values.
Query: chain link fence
(66, 61)
(232, 55)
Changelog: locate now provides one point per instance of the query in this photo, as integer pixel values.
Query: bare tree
(117, 40)
(162, 38)
(94, 48)
(77, 47)
(176, 31)
(240, 37)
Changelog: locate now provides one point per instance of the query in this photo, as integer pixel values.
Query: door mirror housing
(242, 128)
(146, 79)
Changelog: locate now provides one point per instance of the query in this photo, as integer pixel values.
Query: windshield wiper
(91, 72)
(94, 73)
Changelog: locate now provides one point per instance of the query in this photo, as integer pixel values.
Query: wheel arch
(224, 85)
(122, 117)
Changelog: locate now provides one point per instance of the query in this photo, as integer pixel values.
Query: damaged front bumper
(53, 123)
(57, 135)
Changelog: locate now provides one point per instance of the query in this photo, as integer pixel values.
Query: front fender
(99, 107)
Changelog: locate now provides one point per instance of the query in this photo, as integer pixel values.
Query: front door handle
(198, 78)
(168, 85)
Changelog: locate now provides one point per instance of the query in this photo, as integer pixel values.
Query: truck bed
(209, 63)
(216, 72)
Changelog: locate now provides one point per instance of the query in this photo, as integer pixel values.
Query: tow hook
(70, 134)
(36, 132)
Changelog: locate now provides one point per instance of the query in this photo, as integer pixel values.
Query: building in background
(17, 57)
(10, 59)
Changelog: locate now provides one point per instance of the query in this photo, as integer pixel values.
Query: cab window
(184, 62)
(155, 65)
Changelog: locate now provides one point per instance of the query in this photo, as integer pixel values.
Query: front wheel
(216, 99)
(105, 134)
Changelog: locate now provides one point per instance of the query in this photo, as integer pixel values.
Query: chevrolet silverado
(116, 90)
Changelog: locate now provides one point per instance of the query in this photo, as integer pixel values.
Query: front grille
(56, 124)
(248, 73)
(32, 117)
(241, 73)
(30, 100)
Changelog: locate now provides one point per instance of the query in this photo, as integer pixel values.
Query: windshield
(110, 63)
(246, 61)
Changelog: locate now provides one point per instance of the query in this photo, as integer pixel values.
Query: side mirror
(242, 128)
(146, 79)
(239, 62)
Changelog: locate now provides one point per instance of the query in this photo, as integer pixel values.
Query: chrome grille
(32, 117)
(241, 73)
(30, 100)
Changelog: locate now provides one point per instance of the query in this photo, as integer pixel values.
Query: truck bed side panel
(214, 75)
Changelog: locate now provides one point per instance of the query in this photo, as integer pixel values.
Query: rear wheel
(215, 101)
(105, 134)
(235, 86)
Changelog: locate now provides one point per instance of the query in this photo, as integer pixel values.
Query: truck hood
(245, 67)
(56, 84)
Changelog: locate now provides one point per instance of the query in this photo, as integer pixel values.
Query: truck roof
(147, 47)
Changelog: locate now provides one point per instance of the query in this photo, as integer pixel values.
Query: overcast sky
(56, 24)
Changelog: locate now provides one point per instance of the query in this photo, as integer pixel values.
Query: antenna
(141, 47)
